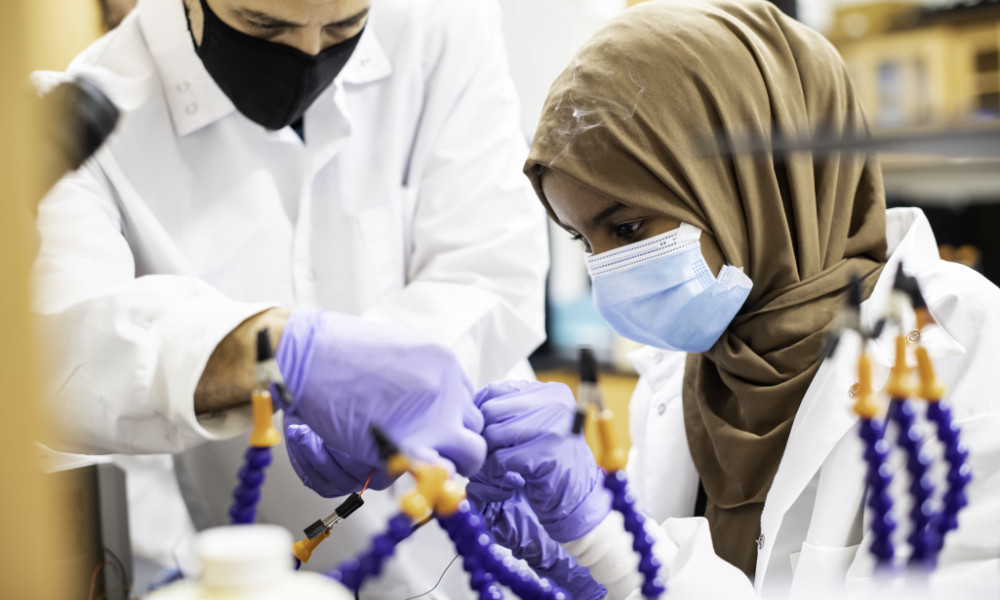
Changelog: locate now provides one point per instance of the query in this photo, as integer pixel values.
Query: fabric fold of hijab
(635, 116)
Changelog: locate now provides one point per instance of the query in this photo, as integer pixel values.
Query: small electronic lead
(588, 392)
(346, 509)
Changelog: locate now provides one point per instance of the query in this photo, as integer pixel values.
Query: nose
(310, 40)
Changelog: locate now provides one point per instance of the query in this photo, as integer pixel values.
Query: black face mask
(272, 84)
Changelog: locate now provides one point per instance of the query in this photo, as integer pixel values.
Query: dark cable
(121, 566)
(126, 582)
(440, 579)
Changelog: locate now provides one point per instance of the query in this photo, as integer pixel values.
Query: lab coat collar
(825, 415)
(911, 242)
(369, 63)
(193, 98)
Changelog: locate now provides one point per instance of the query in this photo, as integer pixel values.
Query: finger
(465, 449)
(305, 453)
(472, 418)
(513, 480)
(326, 471)
(525, 427)
(500, 388)
(543, 399)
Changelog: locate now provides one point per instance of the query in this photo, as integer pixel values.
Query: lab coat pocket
(820, 571)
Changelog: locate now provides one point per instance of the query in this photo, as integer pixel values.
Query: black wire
(425, 521)
(438, 581)
(126, 584)
(417, 526)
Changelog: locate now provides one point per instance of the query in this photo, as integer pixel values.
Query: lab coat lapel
(824, 417)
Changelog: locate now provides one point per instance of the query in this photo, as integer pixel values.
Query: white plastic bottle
(250, 562)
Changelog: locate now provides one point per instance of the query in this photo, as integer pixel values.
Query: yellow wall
(64, 28)
(29, 517)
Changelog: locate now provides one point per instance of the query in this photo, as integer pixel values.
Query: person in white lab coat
(731, 268)
(357, 157)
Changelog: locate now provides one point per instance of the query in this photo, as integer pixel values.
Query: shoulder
(434, 27)
(966, 306)
(963, 301)
(119, 63)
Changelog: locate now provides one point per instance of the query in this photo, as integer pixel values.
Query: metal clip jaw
(268, 373)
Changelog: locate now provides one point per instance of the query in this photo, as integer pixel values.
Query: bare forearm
(230, 374)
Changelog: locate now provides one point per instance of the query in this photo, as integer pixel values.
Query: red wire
(369, 480)
(93, 580)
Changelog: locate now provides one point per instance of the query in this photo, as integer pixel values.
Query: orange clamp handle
(931, 388)
(900, 384)
(865, 406)
(613, 457)
(303, 549)
(264, 434)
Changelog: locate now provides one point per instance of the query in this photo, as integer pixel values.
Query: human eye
(576, 237)
(265, 28)
(628, 232)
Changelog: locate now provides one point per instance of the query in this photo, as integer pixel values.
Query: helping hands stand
(612, 460)
(264, 436)
(928, 526)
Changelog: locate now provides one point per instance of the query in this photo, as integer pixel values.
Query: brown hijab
(629, 118)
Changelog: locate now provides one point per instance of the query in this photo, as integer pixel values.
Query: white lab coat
(406, 205)
(815, 535)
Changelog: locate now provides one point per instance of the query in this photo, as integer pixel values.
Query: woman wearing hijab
(736, 266)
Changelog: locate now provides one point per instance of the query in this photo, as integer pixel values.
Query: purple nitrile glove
(528, 432)
(515, 526)
(323, 469)
(346, 374)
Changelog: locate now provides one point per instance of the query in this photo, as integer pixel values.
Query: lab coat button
(854, 391)
(311, 274)
(662, 408)
(191, 108)
(657, 358)
(183, 86)
(760, 542)
(365, 61)
(913, 337)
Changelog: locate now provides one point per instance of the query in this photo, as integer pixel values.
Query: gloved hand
(346, 375)
(528, 432)
(325, 470)
(515, 526)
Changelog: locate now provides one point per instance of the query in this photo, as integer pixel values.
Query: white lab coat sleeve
(690, 566)
(122, 355)
(478, 255)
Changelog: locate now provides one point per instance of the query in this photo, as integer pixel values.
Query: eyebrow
(606, 214)
(350, 21)
(272, 21)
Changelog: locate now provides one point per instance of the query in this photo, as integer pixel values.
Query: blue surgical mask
(661, 292)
